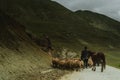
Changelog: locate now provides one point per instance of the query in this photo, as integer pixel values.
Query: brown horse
(98, 58)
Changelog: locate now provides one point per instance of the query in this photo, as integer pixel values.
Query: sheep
(55, 62)
(90, 62)
(72, 64)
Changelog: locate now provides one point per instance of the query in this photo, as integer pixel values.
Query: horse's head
(91, 53)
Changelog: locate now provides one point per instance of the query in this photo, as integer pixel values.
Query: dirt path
(110, 73)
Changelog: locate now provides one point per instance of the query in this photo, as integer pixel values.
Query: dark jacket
(84, 54)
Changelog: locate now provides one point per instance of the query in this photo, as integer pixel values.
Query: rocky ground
(50, 74)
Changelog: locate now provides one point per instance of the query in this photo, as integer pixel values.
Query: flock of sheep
(71, 64)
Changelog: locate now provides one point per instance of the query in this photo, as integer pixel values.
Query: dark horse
(98, 58)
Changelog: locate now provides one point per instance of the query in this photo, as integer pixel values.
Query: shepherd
(48, 44)
(84, 56)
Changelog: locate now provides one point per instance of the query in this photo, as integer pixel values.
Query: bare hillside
(19, 55)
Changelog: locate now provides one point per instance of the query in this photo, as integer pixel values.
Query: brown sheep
(72, 64)
(62, 64)
(76, 64)
(55, 62)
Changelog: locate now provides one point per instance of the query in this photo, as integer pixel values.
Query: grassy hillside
(62, 25)
(16, 58)
(100, 21)
(66, 29)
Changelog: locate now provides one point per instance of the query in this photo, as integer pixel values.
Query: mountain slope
(107, 29)
(64, 27)
(16, 58)
(99, 21)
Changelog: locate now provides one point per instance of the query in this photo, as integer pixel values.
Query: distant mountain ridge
(93, 17)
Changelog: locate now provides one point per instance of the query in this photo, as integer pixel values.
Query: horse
(98, 58)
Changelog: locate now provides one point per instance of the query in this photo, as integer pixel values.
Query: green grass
(113, 58)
